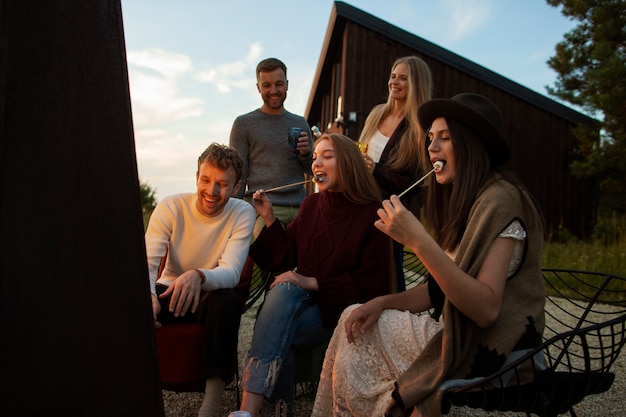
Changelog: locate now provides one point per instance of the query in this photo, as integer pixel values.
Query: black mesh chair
(584, 334)
(258, 285)
(415, 272)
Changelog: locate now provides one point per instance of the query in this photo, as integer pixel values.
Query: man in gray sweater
(260, 137)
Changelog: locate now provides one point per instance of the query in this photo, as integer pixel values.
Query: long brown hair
(409, 155)
(448, 205)
(353, 177)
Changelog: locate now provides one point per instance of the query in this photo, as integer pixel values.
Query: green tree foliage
(591, 73)
(148, 197)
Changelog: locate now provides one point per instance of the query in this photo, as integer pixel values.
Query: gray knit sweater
(261, 140)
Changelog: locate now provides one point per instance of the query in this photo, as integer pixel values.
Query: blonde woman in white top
(394, 137)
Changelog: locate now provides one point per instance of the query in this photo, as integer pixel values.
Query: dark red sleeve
(370, 279)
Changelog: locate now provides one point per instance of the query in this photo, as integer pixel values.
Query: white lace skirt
(357, 379)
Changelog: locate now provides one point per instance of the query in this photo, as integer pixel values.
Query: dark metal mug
(293, 134)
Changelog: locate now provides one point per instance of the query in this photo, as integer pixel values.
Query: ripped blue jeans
(289, 318)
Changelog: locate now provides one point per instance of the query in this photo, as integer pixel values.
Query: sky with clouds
(192, 63)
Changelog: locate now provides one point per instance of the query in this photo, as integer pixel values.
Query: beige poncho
(462, 349)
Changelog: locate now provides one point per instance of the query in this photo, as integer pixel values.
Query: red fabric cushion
(180, 348)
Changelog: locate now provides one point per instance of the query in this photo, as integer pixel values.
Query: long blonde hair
(409, 153)
(353, 177)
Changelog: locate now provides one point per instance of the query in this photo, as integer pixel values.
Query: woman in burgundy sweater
(329, 257)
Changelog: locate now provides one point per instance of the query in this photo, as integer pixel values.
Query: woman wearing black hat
(484, 291)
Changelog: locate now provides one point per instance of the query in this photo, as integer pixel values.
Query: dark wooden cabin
(350, 79)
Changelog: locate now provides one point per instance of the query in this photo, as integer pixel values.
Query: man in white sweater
(206, 236)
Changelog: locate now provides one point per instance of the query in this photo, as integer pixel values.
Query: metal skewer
(416, 183)
(438, 166)
(316, 178)
(287, 186)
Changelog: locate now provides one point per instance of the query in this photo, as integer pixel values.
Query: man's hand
(156, 309)
(185, 293)
(303, 143)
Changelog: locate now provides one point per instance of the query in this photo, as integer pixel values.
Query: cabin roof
(343, 12)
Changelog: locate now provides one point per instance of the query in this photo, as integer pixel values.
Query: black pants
(219, 313)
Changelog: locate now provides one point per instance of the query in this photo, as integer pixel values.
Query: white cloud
(153, 144)
(169, 134)
(166, 160)
(155, 76)
(234, 75)
(465, 17)
(167, 63)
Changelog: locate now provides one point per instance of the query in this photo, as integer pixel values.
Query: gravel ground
(609, 404)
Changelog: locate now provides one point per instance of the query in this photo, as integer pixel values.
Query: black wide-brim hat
(474, 111)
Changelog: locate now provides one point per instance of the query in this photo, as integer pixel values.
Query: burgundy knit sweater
(336, 242)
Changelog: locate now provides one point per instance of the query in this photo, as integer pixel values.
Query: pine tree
(148, 197)
(591, 73)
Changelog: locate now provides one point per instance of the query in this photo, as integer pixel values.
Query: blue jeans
(289, 318)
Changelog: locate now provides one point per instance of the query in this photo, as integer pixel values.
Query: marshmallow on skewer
(316, 179)
(437, 166)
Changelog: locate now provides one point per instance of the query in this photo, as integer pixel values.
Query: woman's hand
(369, 162)
(292, 277)
(399, 223)
(263, 206)
(480, 297)
(362, 318)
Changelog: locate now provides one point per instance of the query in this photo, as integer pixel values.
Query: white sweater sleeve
(216, 245)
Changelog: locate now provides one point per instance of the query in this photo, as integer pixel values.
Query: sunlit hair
(409, 155)
(269, 65)
(222, 157)
(353, 177)
(448, 206)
